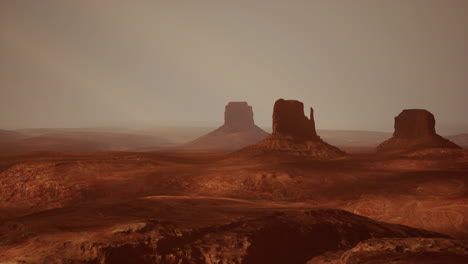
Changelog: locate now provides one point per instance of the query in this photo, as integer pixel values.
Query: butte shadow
(294, 135)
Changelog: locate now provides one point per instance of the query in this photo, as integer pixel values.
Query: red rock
(289, 120)
(415, 130)
(412, 250)
(414, 123)
(293, 135)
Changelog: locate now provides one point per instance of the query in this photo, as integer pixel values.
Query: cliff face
(413, 123)
(289, 120)
(414, 130)
(293, 135)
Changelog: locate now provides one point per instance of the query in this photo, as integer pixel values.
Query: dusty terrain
(120, 207)
(74, 141)
(288, 198)
(150, 139)
(8, 136)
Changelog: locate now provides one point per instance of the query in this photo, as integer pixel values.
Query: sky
(127, 63)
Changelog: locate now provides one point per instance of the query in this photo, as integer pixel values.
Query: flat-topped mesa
(413, 123)
(415, 130)
(238, 131)
(238, 115)
(289, 121)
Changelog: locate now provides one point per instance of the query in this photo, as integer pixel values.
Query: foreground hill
(163, 229)
(108, 207)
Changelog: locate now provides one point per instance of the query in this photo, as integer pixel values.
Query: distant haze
(174, 62)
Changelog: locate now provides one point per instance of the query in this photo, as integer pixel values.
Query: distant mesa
(294, 134)
(415, 130)
(239, 130)
(238, 116)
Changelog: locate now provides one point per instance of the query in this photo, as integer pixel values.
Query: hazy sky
(358, 63)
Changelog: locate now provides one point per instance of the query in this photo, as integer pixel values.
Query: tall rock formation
(414, 130)
(238, 116)
(289, 120)
(293, 134)
(414, 123)
(239, 130)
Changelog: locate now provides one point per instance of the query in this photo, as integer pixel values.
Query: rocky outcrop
(291, 236)
(239, 130)
(293, 135)
(413, 123)
(289, 121)
(407, 251)
(415, 130)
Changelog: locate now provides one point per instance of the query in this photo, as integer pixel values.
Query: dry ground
(71, 204)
